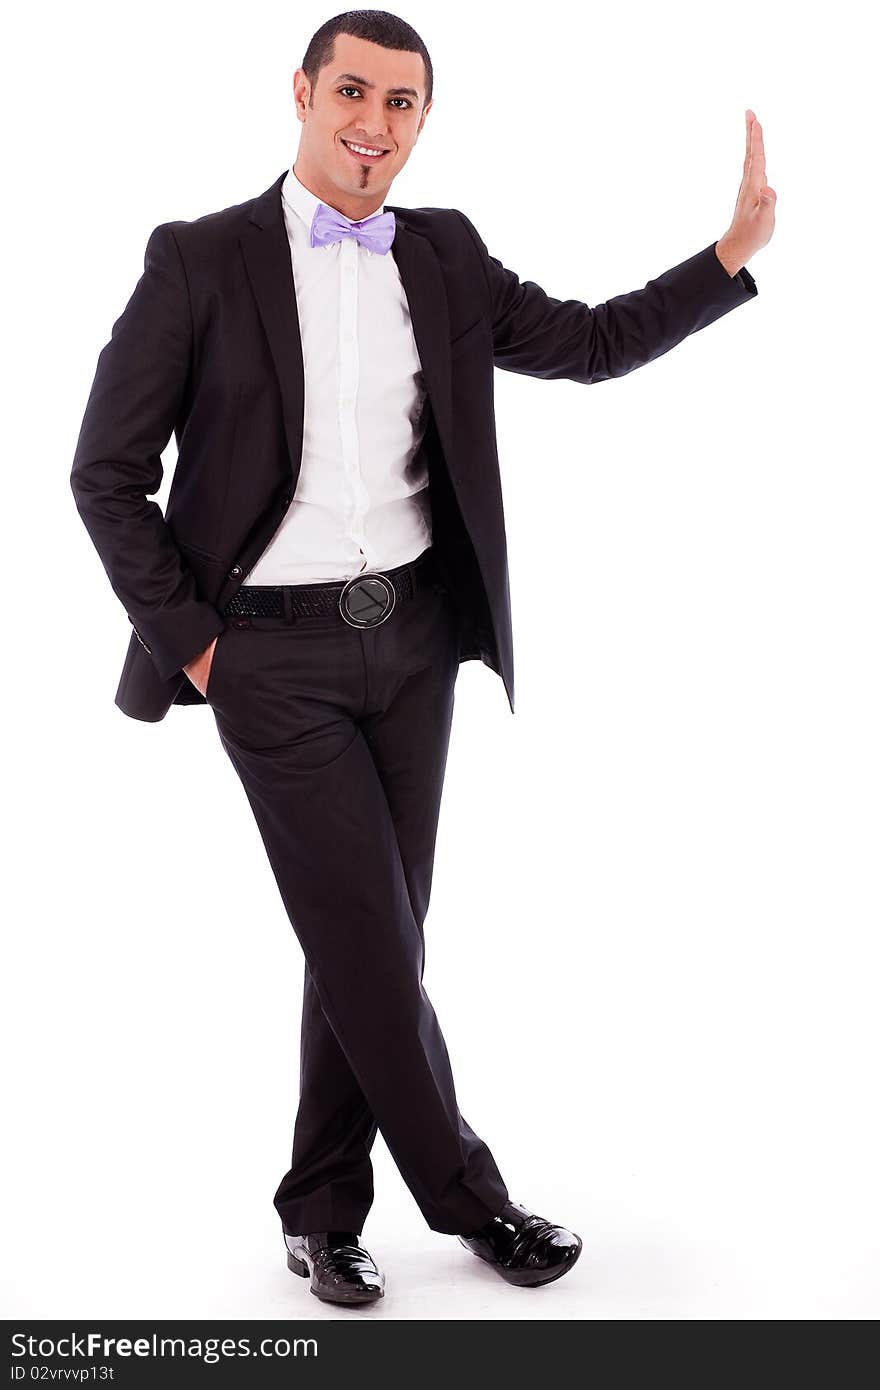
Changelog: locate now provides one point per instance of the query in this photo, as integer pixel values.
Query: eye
(406, 102)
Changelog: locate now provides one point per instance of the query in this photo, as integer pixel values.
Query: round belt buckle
(367, 600)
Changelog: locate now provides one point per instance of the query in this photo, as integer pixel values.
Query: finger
(750, 119)
(759, 168)
(757, 175)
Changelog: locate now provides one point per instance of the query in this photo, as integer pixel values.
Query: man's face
(369, 96)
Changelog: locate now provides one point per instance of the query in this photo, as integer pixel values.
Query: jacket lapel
(425, 291)
(266, 251)
(267, 258)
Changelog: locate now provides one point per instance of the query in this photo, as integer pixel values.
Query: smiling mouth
(364, 153)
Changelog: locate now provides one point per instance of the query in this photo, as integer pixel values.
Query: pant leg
(329, 1184)
(335, 1128)
(411, 769)
(288, 703)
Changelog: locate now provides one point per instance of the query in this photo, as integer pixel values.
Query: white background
(653, 940)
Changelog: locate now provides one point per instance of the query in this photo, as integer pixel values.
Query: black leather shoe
(524, 1248)
(342, 1271)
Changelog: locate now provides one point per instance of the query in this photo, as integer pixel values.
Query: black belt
(365, 600)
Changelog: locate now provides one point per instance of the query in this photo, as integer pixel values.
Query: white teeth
(361, 149)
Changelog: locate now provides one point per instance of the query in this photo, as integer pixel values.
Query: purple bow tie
(376, 232)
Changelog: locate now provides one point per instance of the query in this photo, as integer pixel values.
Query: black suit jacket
(209, 347)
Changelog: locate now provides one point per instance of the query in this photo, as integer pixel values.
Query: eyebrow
(364, 82)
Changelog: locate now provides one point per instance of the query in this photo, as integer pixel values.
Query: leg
(330, 1177)
(409, 740)
(287, 703)
(335, 1128)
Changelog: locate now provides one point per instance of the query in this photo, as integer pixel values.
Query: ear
(301, 90)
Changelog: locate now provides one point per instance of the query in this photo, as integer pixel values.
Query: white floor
(735, 1248)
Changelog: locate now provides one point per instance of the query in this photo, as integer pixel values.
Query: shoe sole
(301, 1268)
(525, 1278)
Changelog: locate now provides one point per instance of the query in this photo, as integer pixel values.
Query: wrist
(197, 661)
(728, 255)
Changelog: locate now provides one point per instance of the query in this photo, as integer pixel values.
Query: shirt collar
(304, 202)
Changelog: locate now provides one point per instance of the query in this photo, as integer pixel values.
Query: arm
(133, 406)
(540, 336)
(544, 337)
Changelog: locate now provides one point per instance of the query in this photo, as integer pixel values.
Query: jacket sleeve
(540, 336)
(134, 404)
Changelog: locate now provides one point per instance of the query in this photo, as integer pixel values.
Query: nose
(375, 125)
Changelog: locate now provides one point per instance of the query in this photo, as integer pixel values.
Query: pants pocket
(218, 656)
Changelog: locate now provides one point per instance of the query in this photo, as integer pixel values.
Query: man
(332, 549)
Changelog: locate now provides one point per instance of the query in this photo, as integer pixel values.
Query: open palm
(755, 215)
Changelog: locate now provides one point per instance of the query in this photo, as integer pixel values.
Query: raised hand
(754, 217)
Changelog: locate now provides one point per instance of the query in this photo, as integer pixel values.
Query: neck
(351, 207)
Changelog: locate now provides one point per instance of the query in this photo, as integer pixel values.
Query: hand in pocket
(199, 670)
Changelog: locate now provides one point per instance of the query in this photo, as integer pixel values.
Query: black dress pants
(339, 736)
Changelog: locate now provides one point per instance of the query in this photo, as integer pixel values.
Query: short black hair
(377, 26)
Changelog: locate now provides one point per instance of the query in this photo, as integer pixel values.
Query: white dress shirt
(361, 501)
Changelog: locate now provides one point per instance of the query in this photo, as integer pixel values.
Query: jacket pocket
(201, 554)
(471, 335)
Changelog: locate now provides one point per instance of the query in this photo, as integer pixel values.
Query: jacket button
(235, 572)
(285, 501)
